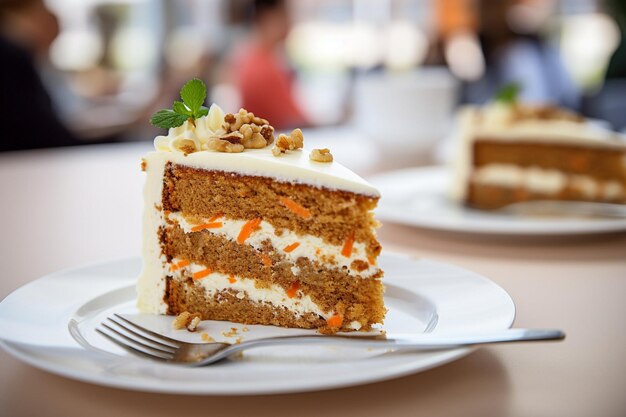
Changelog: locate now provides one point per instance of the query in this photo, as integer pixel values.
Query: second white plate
(418, 197)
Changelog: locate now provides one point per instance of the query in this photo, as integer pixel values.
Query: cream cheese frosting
(293, 166)
(216, 282)
(308, 246)
(546, 181)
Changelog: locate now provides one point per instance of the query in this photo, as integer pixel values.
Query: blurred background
(92, 71)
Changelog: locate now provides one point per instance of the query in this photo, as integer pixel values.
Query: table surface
(72, 206)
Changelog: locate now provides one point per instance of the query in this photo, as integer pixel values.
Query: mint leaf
(204, 111)
(180, 108)
(193, 94)
(166, 119)
(508, 94)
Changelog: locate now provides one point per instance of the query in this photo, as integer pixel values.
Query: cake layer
(227, 305)
(493, 196)
(291, 245)
(334, 216)
(608, 164)
(332, 289)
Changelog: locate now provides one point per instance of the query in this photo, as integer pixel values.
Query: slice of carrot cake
(510, 152)
(241, 227)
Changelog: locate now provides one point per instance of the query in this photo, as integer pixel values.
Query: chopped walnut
(546, 112)
(187, 320)
(321, 155)
(295, 140)
(228, 142)
(256, 132)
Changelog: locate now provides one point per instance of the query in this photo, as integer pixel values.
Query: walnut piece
(321, 155)
(256, 133)
(285, 143)
(229, 142)
(187, 320)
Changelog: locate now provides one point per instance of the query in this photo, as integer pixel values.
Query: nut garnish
(228, 142)
(295, 140)
(187, 320)
(256, 132)
(321, 155)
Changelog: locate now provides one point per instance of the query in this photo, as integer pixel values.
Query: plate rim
(48, 363)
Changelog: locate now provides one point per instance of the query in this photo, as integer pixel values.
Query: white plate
(418, 197)
(422, 296)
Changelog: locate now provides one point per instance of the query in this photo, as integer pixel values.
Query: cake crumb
(144, 164)
(187, 320)
(206, 338)
(245, 329)
(232, 333)
(321, 155)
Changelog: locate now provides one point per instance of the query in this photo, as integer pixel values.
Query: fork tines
(138, 340)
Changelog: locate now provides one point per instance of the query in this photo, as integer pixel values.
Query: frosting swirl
(193, 135)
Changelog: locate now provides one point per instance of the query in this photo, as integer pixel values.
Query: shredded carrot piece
(202, 274)
(347, 245)
(335, 321)
(217, 216)
(214, 225)
(292, 247)
(231, 279)
(293, 290)
(295, 207)
(267, 261)
(178, 265)
(247, 229)
(166, 213)
(371, 260)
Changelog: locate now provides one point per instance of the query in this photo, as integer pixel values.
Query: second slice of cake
(259, 236)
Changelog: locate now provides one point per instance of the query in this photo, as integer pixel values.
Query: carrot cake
(242, 227)
(511, 152)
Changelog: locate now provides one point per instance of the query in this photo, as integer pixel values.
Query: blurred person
(514, 52)
(27, 116)
(261, 73)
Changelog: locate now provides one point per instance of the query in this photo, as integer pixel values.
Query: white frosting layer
(546, 181)
(293, 166)
(151, 282)
(496, 122)
(309, 246)
(275, 295)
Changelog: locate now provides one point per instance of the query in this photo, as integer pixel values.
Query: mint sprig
(193, 95)
(508, 94)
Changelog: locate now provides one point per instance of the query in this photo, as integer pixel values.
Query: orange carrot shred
(295, 207)
(335, 321)
(202, 274)
(293, 290)
(371, 260)
(247, 229)
(217, 216)
(267, 261)
(214, 225)
(347, 245)
(180, 264)
(292, 247)
(231, 279)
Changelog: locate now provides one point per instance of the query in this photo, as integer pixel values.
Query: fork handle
(416, 342)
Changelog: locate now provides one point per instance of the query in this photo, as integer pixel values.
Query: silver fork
(148, 344)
